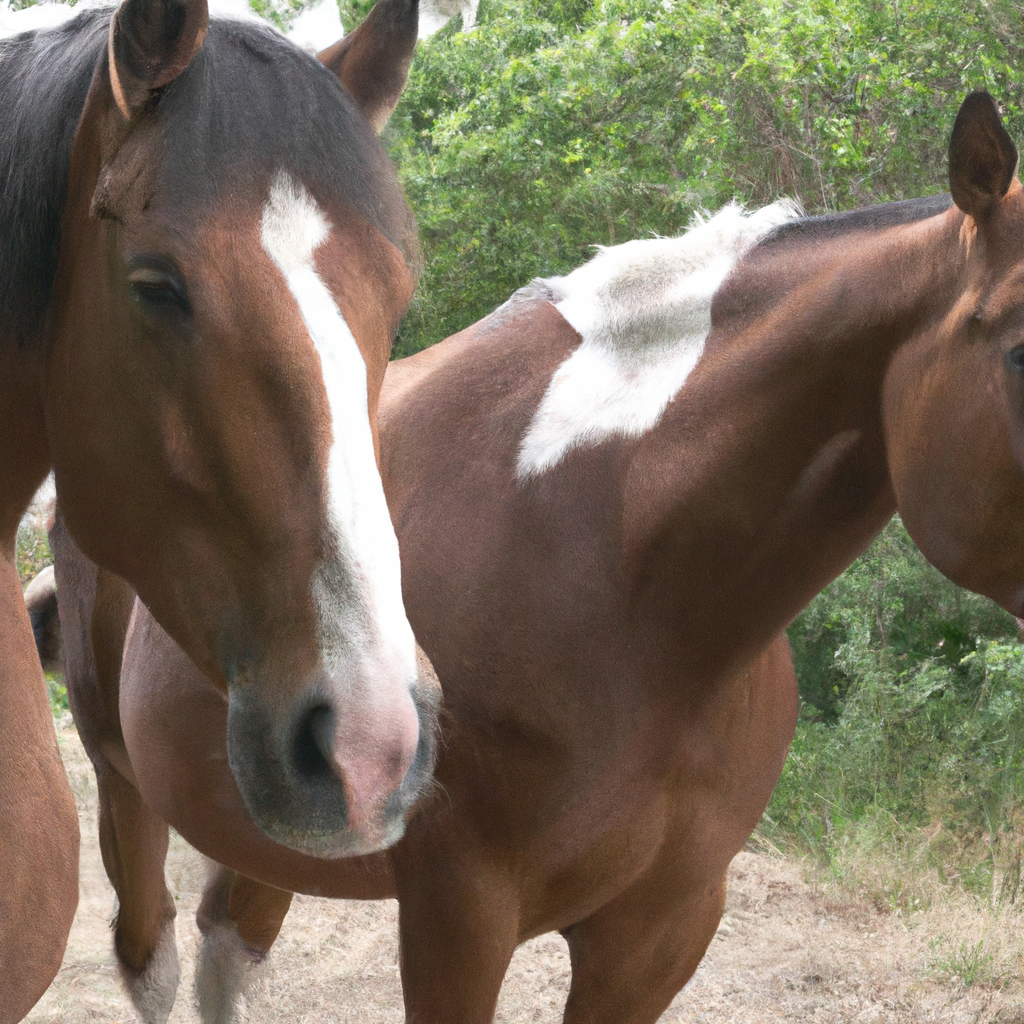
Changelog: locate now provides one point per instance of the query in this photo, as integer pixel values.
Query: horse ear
(373, 60)
(982, 156)
(151, 43)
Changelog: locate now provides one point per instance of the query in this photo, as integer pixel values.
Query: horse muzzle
(331, 778)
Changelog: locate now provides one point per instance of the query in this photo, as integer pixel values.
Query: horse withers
(205, 256)
(662, 457)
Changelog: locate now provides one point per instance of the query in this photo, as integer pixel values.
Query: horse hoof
(227, 969)
(152, 990)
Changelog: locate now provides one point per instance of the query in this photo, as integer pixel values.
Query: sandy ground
(788, 950)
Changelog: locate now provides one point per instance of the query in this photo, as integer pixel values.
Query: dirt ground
(787, 950)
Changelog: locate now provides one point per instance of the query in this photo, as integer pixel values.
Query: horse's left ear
(373, 60)
(151, 43)
(982, 156)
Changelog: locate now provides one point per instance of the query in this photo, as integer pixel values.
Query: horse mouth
(297, 796)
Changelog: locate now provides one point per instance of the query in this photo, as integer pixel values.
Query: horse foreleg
(38, 821)
(459, 921)
(631, 957)
(133, 841)
(239, 919)
(95, 607)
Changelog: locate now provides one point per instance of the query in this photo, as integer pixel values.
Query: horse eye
(1015, 358)
(158, 289)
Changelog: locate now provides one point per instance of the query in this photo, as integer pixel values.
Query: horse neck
(767, 475)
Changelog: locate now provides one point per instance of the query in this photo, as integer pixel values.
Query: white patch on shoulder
(364, 591)
(643, 310)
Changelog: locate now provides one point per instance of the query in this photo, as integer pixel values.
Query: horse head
(235, 257)
(953, 401)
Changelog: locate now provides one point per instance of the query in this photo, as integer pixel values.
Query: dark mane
(44, 79)
(871, 218)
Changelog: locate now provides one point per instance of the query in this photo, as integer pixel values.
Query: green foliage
(58, 694)
(32, 552)
(277, 12)
(888, 614)
(352, 11)
(911, 741)
(968, 963)
(551, 127)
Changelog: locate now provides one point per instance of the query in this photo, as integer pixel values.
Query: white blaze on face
(360, 597)
(643, 311)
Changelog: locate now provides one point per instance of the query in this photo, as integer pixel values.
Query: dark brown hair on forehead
(251, 105)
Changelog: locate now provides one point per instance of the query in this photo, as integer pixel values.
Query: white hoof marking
(226, 972)
(152, 990)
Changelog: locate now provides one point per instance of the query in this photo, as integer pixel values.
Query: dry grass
(788, 950)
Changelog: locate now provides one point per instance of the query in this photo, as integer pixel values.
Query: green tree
(549, 128)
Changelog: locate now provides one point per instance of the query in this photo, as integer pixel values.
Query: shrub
(551, 127)
(909, 743)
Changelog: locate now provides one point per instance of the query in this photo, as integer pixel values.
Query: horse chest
(621, 832)
(652, 782)
(588, 859)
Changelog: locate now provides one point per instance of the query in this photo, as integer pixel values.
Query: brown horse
(205, 255)
(611, 497)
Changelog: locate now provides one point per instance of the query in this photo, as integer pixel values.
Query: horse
(43, 615)
(611, 497)
(205, 256)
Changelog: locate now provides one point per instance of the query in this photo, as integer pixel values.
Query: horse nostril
(313, 743)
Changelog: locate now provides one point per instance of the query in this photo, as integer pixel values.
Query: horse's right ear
(373, 60)
(982, 156)
(151, 43)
